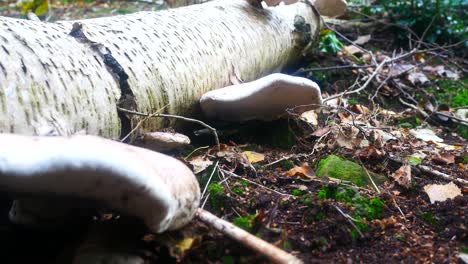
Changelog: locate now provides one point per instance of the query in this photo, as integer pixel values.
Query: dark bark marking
(23, 66)
(3, 69)
(127, 98)
(5, 49)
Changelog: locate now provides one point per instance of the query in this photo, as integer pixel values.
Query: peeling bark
(54, 82)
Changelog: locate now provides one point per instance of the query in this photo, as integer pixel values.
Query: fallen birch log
(58, 79)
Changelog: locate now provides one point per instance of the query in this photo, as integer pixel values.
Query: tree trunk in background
(54, 82)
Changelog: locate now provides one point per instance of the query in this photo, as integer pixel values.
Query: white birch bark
(52, 83)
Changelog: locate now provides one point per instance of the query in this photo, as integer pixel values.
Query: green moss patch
(339, 168)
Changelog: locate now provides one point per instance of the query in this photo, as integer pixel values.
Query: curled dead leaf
(254, 157)
(200, 164)
(403, 176)
(304, 172)
(444, 159)
(310, 117)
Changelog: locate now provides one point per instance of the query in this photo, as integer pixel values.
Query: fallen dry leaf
(417, 78)
(304, 172)
(254, 157)
(351, 50)
(440, 71)
(321, 132)
(360, 109)
(425, 135)
(200, 164)
(403, 176)
(399, 69)
(310, 117)
(445, 159)
(441, 192)
(361, 40)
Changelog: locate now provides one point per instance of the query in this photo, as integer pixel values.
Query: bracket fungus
(156, 188)
(163, 141)
(331, 8)
(265, 99)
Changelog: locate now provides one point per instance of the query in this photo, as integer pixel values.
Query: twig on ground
(208, 195)
(350, 220)
(213, 130)
(195, 150)
(452, 117)
(139, 124)
(399, 210)
(370, 177)
(232, 174)
(273, 253)
(364, 86)
(209, 179)
(439, 174)
(414, 107)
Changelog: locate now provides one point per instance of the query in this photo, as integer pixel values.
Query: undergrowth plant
(364, 209)
(329, 43)
(441, 21)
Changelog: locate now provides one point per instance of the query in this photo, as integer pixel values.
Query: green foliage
(462, 131)
(414, 161)
(447, 18)
(296, 192)
(247, 223)
(216, 192)
(307, 199)
(409, 122)
(237, 190)
(287, 165)
(327, 192)
(364, 209)
(428, 218)
(228, 260)
(451, 92)
(353, 101)
(329, 43)
(38, 7)
(361, 225)
(287, 245)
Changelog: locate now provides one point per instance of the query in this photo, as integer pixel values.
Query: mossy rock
(339, 168)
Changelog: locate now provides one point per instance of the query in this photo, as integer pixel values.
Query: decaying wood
(70, 76)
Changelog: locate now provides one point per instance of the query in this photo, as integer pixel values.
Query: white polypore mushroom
(330, 8)
(156, 188)
(163, 141)
(265, 99)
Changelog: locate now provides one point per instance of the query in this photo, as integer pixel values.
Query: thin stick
(254, 183)
(195, 150)
(414, 107)
(364, 86)
(139, 124)
(273, 253)
(209, 179)
(439, 174)
(370, 177)
(350, 220)
(213, 130)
